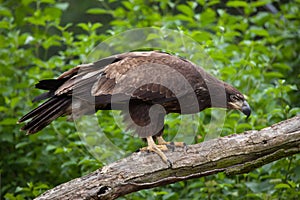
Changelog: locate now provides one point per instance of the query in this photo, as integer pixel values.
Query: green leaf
(259, 31)
(5, 11)
(84, 26)
(62, 150)
(281, 66)
(201, 36)
(294, 111)
(98, 11)
(69, 164)
(259, 187)
(282, 186)
(184, 18)
(64, 28)
(261, 18)
(292, 184)
(48, 1)
(50, 147)
(243, 127)
(52, 13)
(22, 144)
(4, 24)
(128, 5)
(236, 4)
(27, 2)
(260, 3)
(273, 75)
(52, 41)
(188, 11)
(8, 121)
(95, 26)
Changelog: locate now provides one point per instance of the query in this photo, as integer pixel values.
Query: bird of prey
(145, 85)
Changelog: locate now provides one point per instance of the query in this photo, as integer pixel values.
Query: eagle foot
(158, 149)
(172, 145)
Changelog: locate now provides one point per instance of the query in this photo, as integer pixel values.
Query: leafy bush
(255, 47)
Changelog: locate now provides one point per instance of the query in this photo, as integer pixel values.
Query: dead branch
(234, 154)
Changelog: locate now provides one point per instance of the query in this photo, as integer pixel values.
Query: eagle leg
(161, 141)
(157, 149)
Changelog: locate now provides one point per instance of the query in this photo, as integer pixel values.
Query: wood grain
(234, 154)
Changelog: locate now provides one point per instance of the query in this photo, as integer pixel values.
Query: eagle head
(236, 100)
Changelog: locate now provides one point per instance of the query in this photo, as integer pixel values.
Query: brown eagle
(144, 85)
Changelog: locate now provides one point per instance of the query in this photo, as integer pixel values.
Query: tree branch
(234, 154)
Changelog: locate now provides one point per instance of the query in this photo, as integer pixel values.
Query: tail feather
(53, 108)
(44, 96)
(38, 110)
(45, 114)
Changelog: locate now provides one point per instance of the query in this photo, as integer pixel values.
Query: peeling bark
(234, 154)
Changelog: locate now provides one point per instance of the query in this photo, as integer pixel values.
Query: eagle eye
(234, 97)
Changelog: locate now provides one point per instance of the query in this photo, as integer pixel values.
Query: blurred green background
(254, 45)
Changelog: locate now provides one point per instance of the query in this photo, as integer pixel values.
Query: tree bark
(234, 154)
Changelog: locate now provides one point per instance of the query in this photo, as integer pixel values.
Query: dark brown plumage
(134, 81)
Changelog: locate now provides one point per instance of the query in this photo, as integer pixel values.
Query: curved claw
(172, 145)
(170, 164)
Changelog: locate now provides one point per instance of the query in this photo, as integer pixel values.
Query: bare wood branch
(234, 154)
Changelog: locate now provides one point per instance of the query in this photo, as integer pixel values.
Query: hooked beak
(246, 109)
(242, 106)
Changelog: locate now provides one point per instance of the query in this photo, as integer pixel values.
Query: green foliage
(253, 48)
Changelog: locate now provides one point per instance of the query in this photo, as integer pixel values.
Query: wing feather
(148, 76)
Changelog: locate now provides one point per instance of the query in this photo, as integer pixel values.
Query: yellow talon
(157, 149)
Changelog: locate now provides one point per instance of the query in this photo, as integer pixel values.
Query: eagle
(144, 85)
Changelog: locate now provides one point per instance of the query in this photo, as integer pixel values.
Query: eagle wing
(148, 76)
